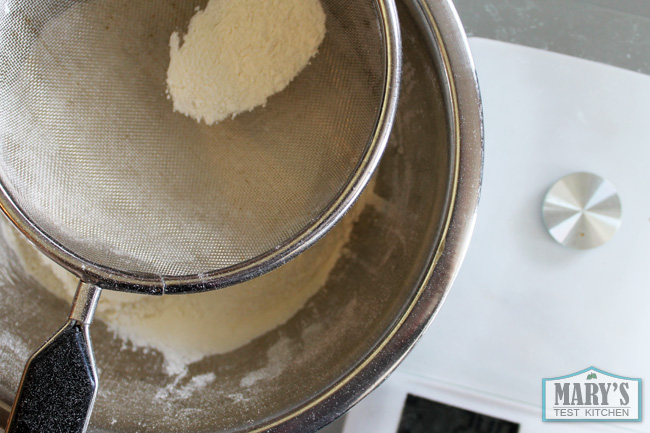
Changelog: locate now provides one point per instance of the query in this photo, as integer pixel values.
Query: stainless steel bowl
(403, 256)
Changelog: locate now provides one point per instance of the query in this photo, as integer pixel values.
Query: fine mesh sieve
(100, 173)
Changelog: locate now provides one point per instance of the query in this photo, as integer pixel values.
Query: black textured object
(59, 385)
(425, 416)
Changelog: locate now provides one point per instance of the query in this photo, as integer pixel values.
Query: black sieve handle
(59, 384)
(58, 387)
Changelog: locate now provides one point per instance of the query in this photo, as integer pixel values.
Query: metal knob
(582, 211)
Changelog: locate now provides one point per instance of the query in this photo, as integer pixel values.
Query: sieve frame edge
(154, 284)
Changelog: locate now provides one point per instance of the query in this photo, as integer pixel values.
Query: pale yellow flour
(186, 328)
(238, 53)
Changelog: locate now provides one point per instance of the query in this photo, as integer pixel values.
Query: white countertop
(523, 307)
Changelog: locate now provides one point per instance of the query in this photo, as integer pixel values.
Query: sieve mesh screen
(93, 154)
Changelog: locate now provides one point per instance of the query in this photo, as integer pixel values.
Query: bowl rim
(467, 141)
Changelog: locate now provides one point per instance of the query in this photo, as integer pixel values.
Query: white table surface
(523, 307)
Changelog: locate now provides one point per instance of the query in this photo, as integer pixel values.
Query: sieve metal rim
(149, 283)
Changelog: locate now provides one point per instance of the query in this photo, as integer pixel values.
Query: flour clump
(236, 54)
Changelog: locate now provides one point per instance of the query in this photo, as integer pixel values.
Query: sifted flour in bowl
(186, 328)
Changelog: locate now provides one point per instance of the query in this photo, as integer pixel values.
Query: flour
(187, 328)
(12, 347)
(174, 391)
(277, 361)
(238, 53)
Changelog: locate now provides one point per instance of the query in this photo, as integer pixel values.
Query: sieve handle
(59, 384)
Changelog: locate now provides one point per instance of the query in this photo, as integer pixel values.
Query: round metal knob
(582, 211)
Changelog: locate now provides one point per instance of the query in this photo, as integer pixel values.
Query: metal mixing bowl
(402, 258)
